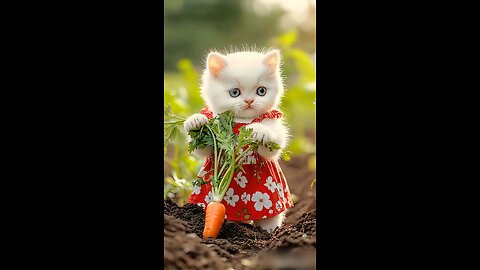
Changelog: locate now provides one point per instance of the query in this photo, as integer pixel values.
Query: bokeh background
(193, 27)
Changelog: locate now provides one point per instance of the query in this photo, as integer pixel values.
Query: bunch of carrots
(218, 134)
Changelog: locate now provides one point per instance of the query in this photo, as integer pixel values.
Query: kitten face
(247, 83)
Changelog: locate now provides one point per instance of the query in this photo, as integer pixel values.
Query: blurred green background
(193, 27)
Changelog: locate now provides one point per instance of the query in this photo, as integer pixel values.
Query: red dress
(259, 192)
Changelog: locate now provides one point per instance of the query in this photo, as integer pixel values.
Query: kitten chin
(252, 113)
(247, 115)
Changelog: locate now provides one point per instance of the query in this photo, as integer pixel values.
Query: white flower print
(241, 180)
(231, 198)
(251, 158)
(270, 184)
(201, 205)
(196, 190)
(270, 211)
(248, 158)
(278, 205)
(261, 200)
(280, 189)
(264, 217)
(245, 197)
(242, 160)
(209, 197)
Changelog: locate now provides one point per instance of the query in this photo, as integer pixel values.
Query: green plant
(218, 134)
(181, 95)
(301, 89)
(183, 165)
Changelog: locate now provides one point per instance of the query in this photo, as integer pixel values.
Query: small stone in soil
(246, 262)
(192, 235)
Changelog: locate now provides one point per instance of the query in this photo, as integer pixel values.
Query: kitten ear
(271, 60)
(216, 62)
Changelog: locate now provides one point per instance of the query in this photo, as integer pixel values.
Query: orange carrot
(215, 214)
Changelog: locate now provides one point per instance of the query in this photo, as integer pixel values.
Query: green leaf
(199, 181)
(312, 162)
(171, 126)
(191, 77)
(287, 39)
(286, 155)
(271, 146)
(169, 133)
(294, 198)
(304, 65)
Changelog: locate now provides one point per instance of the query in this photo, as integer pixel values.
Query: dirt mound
(243, 246)
(299, 235)
(184, 250)
(238, 246)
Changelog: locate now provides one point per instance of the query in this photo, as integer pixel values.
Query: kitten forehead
(245, 77)
(245, 59)
(246, 67)
(240, 55)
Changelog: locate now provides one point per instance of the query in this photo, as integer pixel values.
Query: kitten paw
(270, 224)
(261, 133)
(195, 121)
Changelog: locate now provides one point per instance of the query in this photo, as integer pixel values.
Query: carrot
(214, 218)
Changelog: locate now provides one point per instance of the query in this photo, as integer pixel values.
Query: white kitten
(249, 84)
(231, 82)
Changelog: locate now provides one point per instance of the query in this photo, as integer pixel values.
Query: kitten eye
(235, 92)
(261, 91)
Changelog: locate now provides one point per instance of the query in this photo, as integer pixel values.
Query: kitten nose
(249, 101)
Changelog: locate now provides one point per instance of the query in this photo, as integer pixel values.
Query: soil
(244, 246)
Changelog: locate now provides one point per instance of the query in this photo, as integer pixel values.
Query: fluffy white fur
(246, 71)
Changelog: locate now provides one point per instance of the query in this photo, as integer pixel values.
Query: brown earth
(244, 246)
